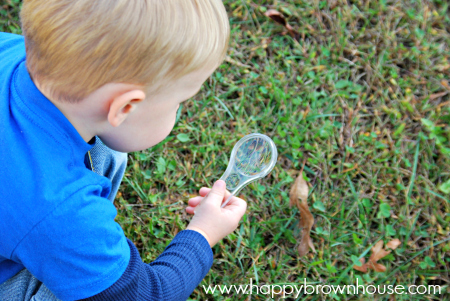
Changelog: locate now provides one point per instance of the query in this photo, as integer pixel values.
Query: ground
(362, 96)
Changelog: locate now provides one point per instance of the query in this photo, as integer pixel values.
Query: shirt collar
(35, 101)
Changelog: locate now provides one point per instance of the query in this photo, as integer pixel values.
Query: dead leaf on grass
(377, 253)
(363, 267)
(393, 244)
(280, 19)
(298, 197)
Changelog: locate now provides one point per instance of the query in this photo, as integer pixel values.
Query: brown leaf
(362, 268)
(299, 191)
(298, 196)
(377, 267)
(307, 220)
(303, 247)
(276, 16)
(280, 19)
(393, 244)
(377, 253)
(311, 245)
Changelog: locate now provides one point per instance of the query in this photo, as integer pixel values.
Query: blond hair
(75, 47)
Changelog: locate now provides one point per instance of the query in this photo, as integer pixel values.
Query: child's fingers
(190, 210)
(205, 190)
(217, 193)
(237, 206)
(195, 201)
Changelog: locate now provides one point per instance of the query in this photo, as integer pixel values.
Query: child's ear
(122, 105)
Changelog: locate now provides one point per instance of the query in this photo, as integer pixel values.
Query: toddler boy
(89, 81)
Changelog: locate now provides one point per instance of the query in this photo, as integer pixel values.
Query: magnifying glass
(252, 158)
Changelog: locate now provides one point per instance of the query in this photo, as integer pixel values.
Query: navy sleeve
(172, 276)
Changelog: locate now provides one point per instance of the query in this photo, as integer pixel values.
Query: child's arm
(172, 276)
(187, 259)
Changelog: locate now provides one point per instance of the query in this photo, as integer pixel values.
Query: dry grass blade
(298, 196)
(437, 95)
(434, 96)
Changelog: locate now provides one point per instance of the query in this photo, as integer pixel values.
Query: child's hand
(209, 219)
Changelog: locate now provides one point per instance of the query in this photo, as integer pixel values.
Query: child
(89, 80)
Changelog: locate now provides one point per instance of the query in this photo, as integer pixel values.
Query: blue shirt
(55, 218)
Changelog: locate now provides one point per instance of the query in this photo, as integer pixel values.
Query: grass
(363, 96)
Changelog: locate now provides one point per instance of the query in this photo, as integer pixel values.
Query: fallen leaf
(310, 242)
(306, 222)
(298, 197)
(299, 191)
(393, 244)
(280, 19)
(377, 253)
(276, 16)
(377, 266)
(362, 268)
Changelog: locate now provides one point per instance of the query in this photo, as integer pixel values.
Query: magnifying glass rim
(273, 159)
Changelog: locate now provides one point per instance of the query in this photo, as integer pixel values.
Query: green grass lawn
(363, 96)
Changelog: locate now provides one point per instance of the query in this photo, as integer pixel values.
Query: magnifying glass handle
(227, 200)
(233, 193)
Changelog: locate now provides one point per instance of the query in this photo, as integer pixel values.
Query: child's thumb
(217, 192)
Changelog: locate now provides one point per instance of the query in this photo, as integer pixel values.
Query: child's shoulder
(5, 36)
(10, 40)
(12, 52)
